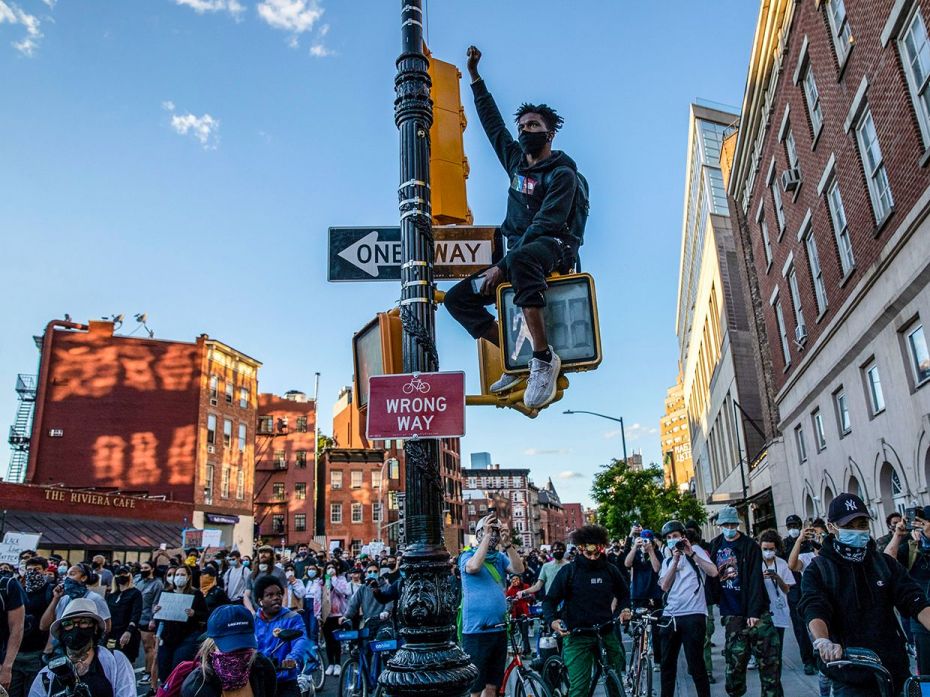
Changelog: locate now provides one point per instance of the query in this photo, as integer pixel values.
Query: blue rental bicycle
(366, 661)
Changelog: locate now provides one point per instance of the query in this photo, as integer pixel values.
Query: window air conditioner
(790, 179)
(800, 334)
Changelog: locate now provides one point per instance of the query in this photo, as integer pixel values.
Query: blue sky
(185, 158)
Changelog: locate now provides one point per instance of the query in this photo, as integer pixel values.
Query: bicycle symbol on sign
(417, 384)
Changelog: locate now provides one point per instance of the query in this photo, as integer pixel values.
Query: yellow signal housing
(447, 162)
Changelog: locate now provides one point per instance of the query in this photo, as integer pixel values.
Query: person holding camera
(910, 545)
(484, 569)
(779, 582)
(364, 604)
(75, 587)
(87, 669)
(644, 563)
(682, 578)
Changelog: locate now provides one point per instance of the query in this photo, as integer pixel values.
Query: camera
(909, 515)
(66, 679)
(680, 545)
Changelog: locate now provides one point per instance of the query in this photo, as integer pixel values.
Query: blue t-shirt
(483, 603)
(731, 598)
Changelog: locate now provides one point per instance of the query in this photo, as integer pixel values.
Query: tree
(625, 496)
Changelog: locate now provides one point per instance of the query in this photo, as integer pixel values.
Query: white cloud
(633, 432)
(551, 451)
(318, 50)
(167, 105)
(295, 16)
(569, 474)
(13, 14)
(233, 7)
(204, 128)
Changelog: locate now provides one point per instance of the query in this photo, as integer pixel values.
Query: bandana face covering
(232, 668)
(849, 553)
(34, 580)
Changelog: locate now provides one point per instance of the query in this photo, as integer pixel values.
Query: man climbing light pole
(547, 207)
(429, 663)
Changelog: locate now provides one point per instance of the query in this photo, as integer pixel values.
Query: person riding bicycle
(591, 590)
(270, 620)
(849, 593)
(683, 579)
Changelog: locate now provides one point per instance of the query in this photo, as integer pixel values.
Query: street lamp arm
(593, 413)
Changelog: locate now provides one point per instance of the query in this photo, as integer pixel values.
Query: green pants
(579, 654)
(761, 641)
(708, 640)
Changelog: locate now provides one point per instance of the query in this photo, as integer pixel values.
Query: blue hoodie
(267, 641)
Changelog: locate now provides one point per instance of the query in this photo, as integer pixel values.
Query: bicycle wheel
(352, 682)
(529, 683)
(555, 676)
(318, 674)
(612, 684)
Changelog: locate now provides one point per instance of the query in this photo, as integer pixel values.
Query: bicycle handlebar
(593, 629)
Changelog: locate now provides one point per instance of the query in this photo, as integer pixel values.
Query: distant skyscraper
(480, 461)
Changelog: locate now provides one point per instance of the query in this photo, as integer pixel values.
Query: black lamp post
(604, 416)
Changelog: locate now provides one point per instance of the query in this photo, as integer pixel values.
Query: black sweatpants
(685, 631)
(800, 630)
(527, 269)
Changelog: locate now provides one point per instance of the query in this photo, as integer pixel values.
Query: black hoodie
(749, 562)
(857, 601)
(588, 589)
(540, 198)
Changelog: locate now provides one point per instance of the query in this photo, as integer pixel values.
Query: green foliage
(625, 496)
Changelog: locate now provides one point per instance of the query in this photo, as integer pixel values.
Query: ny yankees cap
(847, 507)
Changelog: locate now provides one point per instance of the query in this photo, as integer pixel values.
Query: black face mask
(78, 637)
(533, 143)
(122, 580)
(557, 554)
(145, 573)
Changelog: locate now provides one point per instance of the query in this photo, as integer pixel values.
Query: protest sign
(173, 605)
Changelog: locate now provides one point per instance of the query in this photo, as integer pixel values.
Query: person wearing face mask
(374, 614)
(228, 662)
(236, 578)
(213, 593)
(12, 621)
(125, 603)
(75, 587)
(266, 567)
(294, 590)
(104, 672)
(849, 594)
(271, 619)
(150, 584)
(544, 227)
(38, 596)
(335, 593)
(795, 545)
(179, 640)
(891, 521)
(313, 591)
(779, 580)
(390, 569)
(912, 550)
(744, 607)
(104, 575)
(549, 570)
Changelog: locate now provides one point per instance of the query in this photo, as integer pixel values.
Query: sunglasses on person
(79, 622)
(590, 549)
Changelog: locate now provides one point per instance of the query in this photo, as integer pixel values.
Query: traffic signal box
(447, 162)
(377, 349)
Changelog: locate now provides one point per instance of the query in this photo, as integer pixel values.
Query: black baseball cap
(793, 519)
(922, 512)
(845, 508)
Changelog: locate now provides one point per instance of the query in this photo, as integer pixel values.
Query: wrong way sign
(373, 253)
(416, 405)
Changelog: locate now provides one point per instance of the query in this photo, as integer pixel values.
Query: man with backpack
(849, 593)
(547, 207)
(483, 604)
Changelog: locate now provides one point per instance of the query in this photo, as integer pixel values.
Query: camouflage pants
(761, 641)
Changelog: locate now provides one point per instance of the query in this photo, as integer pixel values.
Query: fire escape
(21, 430)
(269, 428)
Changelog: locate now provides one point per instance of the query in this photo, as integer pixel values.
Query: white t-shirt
(686, 596)
(778, 600)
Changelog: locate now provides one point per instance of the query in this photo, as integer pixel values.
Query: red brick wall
(574, 516)
(901, 146)
(39, 499)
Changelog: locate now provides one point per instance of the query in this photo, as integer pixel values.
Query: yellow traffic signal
(377, 350)
(490, 366)
(447, 161)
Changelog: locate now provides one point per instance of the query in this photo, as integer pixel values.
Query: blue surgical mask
(730, 533)
(372, 575)
(853, 538)
(671, 543)
(311, 573)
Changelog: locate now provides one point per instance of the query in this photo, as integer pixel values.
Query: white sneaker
(329, 670)
(337, 670)
(543, 381)
(505, 383)
(752, 665)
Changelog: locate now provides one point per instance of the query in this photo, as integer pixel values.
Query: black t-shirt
(95, 679)
(34, 639)
(11, 597)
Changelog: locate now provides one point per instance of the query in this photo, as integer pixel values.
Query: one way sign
(373, 254)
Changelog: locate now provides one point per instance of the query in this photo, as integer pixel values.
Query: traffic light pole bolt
(429, 663)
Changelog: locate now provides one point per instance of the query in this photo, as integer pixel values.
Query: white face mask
(768, 554)
(180, 580)
(793, 532)
(263, 567)
(289, 574)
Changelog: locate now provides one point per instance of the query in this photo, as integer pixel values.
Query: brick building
(676, 439)
(515, 485)
(285, 466)
(830, 184)
(149, 417)
(574, 517)
(478, 503)
(551, 516)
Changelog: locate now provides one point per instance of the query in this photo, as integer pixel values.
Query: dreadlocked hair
(549, 115)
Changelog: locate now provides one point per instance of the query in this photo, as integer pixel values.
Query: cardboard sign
(9, 554)
(173, 605)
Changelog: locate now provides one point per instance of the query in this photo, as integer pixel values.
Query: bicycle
(865, 658)
(360, 672)
(527, 682)
(639, 676)
(417, 384)
(306, 677)
(557, 674)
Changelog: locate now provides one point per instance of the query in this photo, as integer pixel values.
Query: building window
(874, 386)
(782, 332)
(842, 412)
(224, 483)
(394, 469)
(840, 227)
(335, 513)
(796, 301)
(335, 479)
(211, 429)
(356, 513)
(356, 479)
(813, 258)
(766, 242)
(300, 491)
(265, 425)
(280, 460)
(875, 173)
(779, 205)
(300, 522)
(229, 392)
(915, 54)
(812, 97)
(227, 433)
(301, 424)
(240, 485)
(301, 458)
(839, 27)
(242, 437)
(376, 512)
(356, 547)
(471, 509)
(791, 149)
(214, 384)
(277, 491)
(920, 356)
(243, 398)
(802, 445)
(820, 437)
(376, 480)
(208, 485)
(277, 523)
